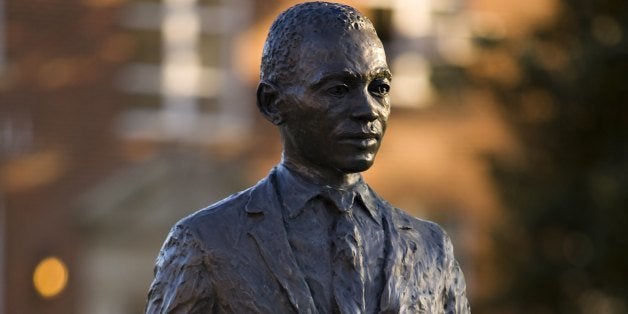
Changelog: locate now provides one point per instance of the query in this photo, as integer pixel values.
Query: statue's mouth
(360, 140)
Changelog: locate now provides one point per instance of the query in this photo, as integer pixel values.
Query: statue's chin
(357, 166)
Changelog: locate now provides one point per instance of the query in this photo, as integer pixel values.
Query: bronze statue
(312, 237)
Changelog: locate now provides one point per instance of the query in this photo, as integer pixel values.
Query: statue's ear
(269, 102)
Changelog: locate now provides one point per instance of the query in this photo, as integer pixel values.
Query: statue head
(324, 82)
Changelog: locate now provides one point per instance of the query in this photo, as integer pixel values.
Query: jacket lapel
(267, 229)
(395, 270)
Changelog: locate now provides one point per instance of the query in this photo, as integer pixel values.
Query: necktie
(348, 271)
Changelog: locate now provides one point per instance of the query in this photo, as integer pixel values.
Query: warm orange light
(50, 277)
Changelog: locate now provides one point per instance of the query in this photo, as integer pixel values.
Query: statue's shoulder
(215, 226)
(226, 216)
(408, 224)
(224, 210)
(423, 230)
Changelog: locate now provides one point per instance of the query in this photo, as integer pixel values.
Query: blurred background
(508, 127)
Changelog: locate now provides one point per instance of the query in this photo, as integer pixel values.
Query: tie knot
(343, 200)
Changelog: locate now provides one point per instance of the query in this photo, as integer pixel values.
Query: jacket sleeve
(454, 298)
(181, 283)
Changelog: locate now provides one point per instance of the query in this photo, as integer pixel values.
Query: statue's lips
(360, 140)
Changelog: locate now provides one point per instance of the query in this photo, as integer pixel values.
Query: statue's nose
(365, 108)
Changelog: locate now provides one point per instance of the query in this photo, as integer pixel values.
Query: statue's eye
(338, 90)
(379, 88)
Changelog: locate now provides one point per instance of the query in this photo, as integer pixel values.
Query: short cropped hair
(285, 36)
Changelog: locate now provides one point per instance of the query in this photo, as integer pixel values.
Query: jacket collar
(295, 191)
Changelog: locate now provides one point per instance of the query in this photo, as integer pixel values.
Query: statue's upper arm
(182, 281)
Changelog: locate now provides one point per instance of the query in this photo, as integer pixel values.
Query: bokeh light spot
(50, 277)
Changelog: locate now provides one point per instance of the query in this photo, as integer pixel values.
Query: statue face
(338, 104)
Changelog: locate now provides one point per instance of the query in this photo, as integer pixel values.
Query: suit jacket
(234, 257)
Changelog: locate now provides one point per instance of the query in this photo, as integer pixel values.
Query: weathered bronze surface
(312, 237)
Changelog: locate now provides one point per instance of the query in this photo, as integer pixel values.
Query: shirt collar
(296, 191)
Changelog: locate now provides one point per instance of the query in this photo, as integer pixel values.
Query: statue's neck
(323, 177)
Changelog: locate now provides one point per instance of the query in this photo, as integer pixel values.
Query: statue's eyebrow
(381, 72)
(341, 75)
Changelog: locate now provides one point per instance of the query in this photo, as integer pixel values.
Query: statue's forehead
(359, 52)
(328, 35)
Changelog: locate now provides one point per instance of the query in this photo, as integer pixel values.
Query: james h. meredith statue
(312, 237)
